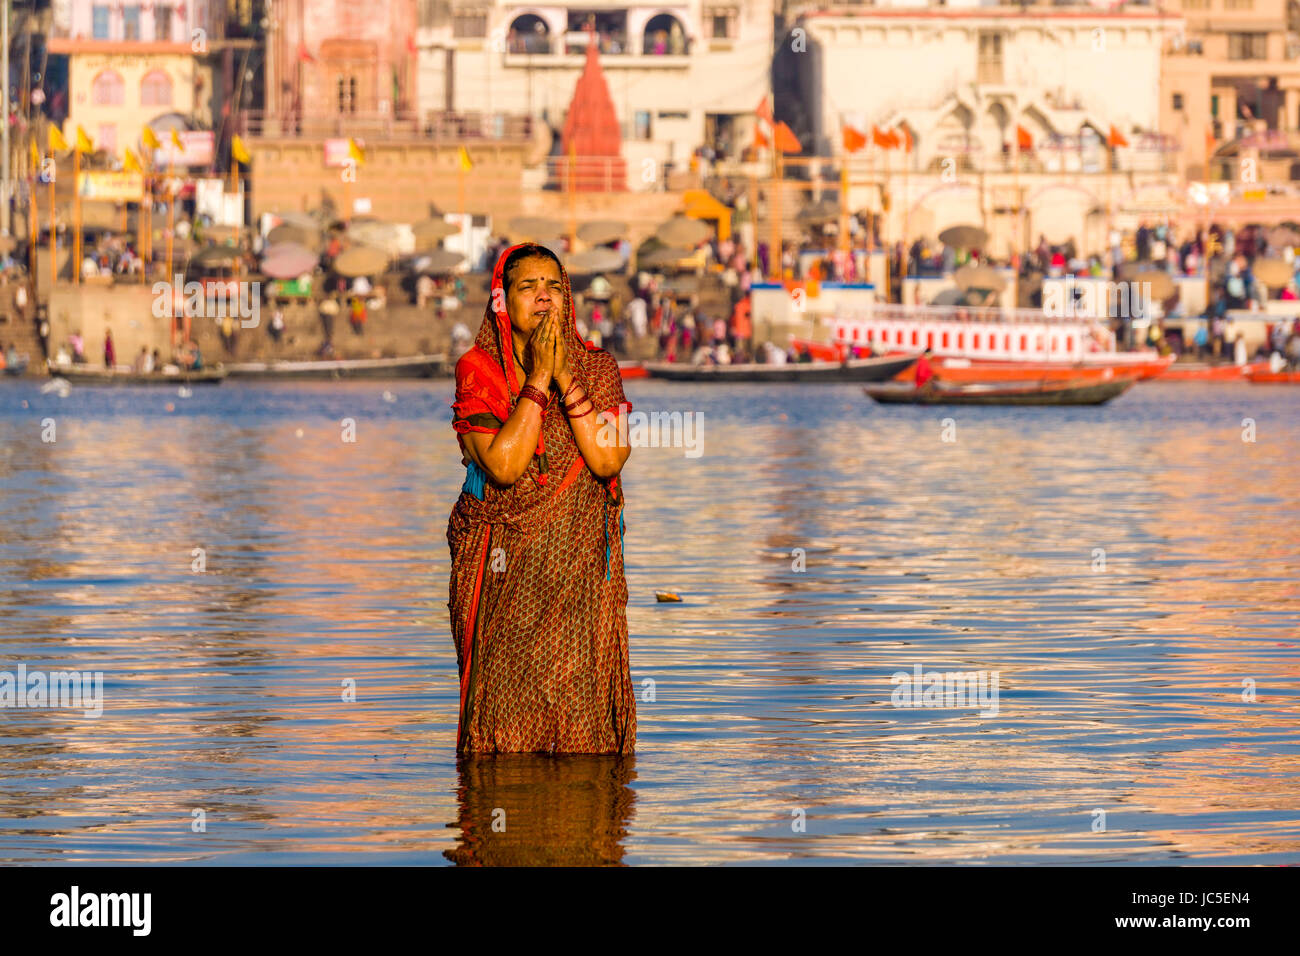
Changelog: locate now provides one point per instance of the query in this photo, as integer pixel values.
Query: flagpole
(753, 216)
(32, 232)
(1015, 208)
(54, 262)
(775, 266)
(76, 214)
(845, 245)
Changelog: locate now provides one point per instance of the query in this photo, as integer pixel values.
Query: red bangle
(536, 395)
(569, 391)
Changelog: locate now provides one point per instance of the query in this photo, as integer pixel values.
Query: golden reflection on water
(326, 575)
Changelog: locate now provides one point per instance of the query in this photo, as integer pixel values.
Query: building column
(1290, 108)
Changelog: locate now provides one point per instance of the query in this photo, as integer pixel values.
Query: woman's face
(535, 292)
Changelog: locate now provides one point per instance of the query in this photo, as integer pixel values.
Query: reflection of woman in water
(538, 598)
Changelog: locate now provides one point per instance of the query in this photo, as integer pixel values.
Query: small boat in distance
(1009, 393)
(1201, 372)
(414, 366)
(632, 370)
(878, 369)
(85, 375)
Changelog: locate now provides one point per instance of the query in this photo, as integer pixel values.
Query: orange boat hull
(632, 370)
(1275, 378)
(1210, 373)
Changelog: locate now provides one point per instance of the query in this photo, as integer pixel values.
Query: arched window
(108, 89)
(156, 89)
(529, 34)
(664, 35)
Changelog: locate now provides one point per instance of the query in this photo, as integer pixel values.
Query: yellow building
(128, 65)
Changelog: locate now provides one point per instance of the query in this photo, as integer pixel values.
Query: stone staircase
(19, 328)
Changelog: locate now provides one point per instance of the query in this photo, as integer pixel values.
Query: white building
(681, 76)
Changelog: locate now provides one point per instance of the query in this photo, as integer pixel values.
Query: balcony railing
(400, 125)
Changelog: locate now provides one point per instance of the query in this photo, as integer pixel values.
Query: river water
(1129, 574)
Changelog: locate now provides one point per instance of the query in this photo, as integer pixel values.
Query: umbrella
(950, 297)
(594, 260)
(1162, 287)
(215, 257)
(360, 261)
(964, 237)
(298, 235)
(680, 231)
(221, 233)
(979, 277)
(665, 257)
(303, 220)
(1272, 272)
(1283, 236)
(535, 227)
(602, 231)
(437, 261)
(428, 232)
(288, 260)
(554, 243)
(381, 235)
(823, 210)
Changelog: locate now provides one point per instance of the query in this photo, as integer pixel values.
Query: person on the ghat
(538, 597)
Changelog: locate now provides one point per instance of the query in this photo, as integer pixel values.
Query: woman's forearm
(598, 443)
(505, 455)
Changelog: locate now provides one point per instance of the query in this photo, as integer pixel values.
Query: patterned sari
(538, 598)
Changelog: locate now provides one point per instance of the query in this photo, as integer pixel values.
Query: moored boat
(878, 369)
(1200, 372)
(632, 370)
(83, 375)
(1007, 393)
(965, 372)
(1265, 377)
(414, 366)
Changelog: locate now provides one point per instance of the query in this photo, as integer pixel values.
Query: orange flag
(853, 140)
(1023, 139)
(883, 140)
(760, 141)
(1116, 138)
(786, 141)
(764, 111)
(1209, 140)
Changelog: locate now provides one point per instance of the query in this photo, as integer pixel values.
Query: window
(990, 57)
(108, 89)
(1178, 101)
(162, 22)
(107, 137)
(156, 89)
(610, 27)
(1239, 4)
(528, 34)
(1196, 4)
(720, 24)
(99, 22)
(1247, 46)
(131, 23)
(664, 35)
(347, 87)
(469, 24)
(642, 125)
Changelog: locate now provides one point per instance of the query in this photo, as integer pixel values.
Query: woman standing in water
(538, 598)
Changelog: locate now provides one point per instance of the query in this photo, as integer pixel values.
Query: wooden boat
(964, 372)
(1200, 372)
(854, 370)
(84, 375)
(18, 366)
(632, 370)
(415, 366)
(1010, 393)
(1265, 377)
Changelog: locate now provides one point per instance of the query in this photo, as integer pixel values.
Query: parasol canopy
(1282, 236)
(288, 260)
(594, 260)
(681, 231)
(215, 257)
(436, 261)
(298, 235)
(386, 236)
(360, 261)
(535, 227)
(823, 210)
(602, 231)
(429, 232)
(964, 237)
(979, 277)
(1162, 287)
(666, 257)
(1273, 273)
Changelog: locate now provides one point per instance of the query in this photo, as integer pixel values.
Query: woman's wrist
(539, 380)
(563, 378)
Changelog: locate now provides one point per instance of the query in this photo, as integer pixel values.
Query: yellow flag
(239, 152)
(176, 141)
(150, 139)
(84, 144)
(131, 163)
(36, 156)
(56, 139)
(354, 151)
(465, 164)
